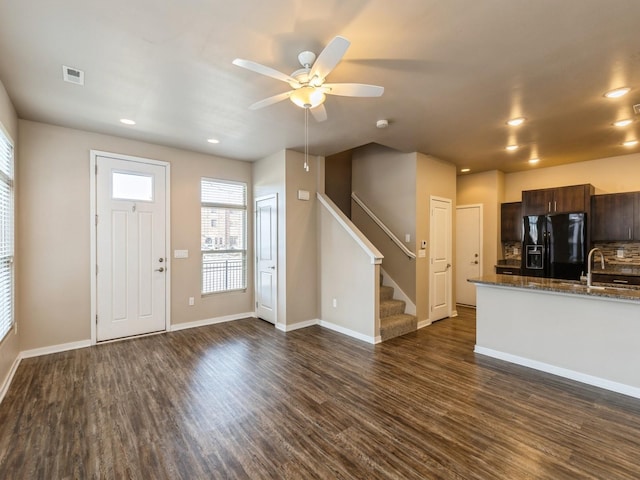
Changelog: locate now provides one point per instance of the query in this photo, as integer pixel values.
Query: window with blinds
(223, 227)
(6, 234)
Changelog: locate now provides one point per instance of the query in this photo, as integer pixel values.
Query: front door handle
(448, 266)
(161, 269)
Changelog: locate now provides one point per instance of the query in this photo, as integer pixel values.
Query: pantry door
(131, 247)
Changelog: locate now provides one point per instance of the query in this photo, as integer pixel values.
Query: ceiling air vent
(636, 108)
(72, 75)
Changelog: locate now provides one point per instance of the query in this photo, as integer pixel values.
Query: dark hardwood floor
(243, 400)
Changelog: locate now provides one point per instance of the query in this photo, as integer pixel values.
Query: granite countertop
(558, 286)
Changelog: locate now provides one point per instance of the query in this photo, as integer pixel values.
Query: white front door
(131, 258)
(440, 259)
(267, 257)
(468, 252)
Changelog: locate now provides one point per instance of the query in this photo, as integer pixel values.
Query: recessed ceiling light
(514, 122)
(630, 143)
(617, 93)
(511, 148)
(623, 123)
(465, 170)
(213, 140)
(534, 160)
(126, 121)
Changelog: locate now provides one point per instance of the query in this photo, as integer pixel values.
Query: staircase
(393, 321)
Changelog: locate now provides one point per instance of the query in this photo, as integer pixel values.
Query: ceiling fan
(308, 85)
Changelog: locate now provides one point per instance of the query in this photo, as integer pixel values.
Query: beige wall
(385, 180)
(54, 281)
(282, 174)
(301, 240)
(356, 311)
(487, 189)
(434, 177)
(338, 180)
(607, 175)
(10, 346)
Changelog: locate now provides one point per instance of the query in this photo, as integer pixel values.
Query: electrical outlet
(335, 303)
(192, 301)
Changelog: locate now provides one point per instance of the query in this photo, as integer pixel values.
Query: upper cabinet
(576, 198)
(511, 222)
(615, 217)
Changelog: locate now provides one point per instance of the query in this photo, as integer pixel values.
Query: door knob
(272, 267)
(448, 265)
(161, 269)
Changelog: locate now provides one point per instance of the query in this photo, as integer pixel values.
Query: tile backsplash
(509, 250)
(630, 252)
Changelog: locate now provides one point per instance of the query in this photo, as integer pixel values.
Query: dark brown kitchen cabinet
(511, 222)
(617, 279)
(614, 217)
(576, 198)
(501, 270)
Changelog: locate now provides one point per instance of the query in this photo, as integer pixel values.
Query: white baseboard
(424, 323)
(297, 326)
(37, 352)
(348, 332)
(9, 378)
(211, 321)
(454, 313)
(561, 372)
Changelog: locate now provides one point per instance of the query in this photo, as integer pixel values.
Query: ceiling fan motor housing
(306, 58)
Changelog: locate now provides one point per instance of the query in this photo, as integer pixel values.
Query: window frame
(7, 181)
(244, 248)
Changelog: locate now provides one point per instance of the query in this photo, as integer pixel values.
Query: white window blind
(6, 234)
(223, 228)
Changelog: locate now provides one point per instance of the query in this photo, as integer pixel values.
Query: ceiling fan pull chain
(306, 139)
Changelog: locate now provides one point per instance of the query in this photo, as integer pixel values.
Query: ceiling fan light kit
(308, 97)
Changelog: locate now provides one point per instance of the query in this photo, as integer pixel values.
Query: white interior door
(131, 260)
(440, 259)
(267, 258)
(468, 252)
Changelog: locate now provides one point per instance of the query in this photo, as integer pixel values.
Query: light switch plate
(303, 194)
(422, 253)
(181, 254)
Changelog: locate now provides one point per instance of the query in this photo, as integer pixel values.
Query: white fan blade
(271, 100)
(329, 57)
(352, 89)
(319, 113)
(264, 70)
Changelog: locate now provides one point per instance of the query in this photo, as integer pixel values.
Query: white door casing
(468, 252)
(266, 245)
(129, 246)
(440, 258)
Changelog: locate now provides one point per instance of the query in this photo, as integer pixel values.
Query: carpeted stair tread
(396, 325)
(386, 293)
(391, 307)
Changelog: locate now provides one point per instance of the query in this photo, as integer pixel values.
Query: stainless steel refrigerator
(554, 246)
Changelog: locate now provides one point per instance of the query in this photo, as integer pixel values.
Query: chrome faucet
(593, 250)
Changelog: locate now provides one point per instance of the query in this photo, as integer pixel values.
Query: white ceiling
(453, 70)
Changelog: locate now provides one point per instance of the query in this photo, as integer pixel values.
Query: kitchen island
(591, 335)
